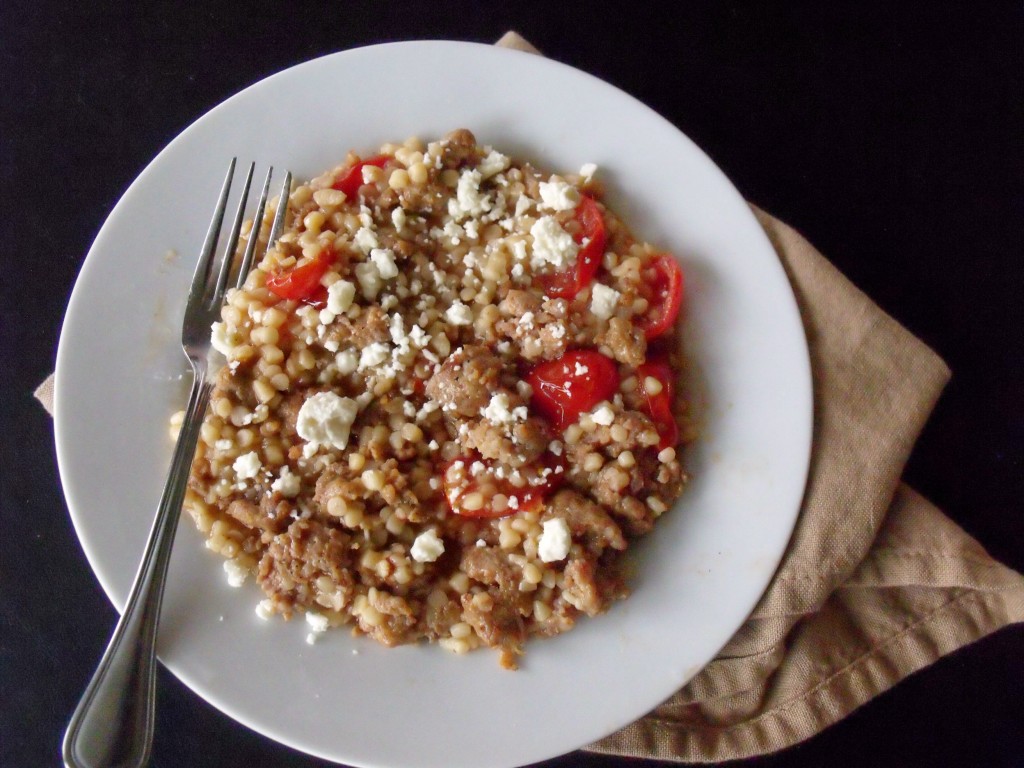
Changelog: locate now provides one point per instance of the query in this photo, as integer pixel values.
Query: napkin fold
(876, 582)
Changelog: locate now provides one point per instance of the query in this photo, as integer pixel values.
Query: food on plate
(450, 401)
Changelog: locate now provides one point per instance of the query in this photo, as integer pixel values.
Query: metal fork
(112, 727)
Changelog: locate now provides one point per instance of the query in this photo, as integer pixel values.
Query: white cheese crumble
(497, 411)
(366, 239)
(347, 360)
(220, 338)
(384, 260)
(373, 355)
(247, 466)
(603, 415)
(427, 547)
(236, 573)
(287, 484)
(339, 296)
(558, 195)
(469, 200)
(552, 244)
(554, 541)
(369, 279)
(399, 219)
(317, 623)
(265, 609)
(495, 162)
(459, 314)
(326, 419)
(603, 300)
(587, 171)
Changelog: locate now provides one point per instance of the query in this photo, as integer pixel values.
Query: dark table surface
(890, 136)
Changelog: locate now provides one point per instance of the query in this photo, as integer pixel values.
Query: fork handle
(112, 726)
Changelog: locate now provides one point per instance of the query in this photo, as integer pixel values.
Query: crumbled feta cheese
(552, 244)
(265, 609)
(247, 466)
(373, 355)
(558, 195)
(587, 171)
(523, 204)
(493, 163)
(366, 239)
(497, 411)
(237, 574)
(220, 339)
(472, 230)
(287, 484)
(427, 547)
(603, 415)
(459, 314)
(399, 219)
(346, 361)
(326, 419)
(339, 296)
(469, 200)
(317, 623)
(384, 260)
(554, 541)
(453, 231)
(368, 172)
(369, 280)
(603, 301)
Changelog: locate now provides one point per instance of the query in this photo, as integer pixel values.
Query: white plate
(120, 374)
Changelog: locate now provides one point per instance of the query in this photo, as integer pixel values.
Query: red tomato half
(659, 404)
(663, 289)
(352, 179)
(591, 238)
(460, 484)
(301, 283)
(572, 384)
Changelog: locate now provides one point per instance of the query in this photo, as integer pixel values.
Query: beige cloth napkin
(876, 584)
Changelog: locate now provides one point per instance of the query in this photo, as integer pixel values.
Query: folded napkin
(876, 583)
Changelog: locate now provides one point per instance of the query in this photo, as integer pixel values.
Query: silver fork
(112, 727)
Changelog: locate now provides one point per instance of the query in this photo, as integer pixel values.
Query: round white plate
(120, 373)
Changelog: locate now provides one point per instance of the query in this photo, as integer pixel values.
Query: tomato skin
(659, 406)
(528, 498)
(664, 294)
(352, 179)
(565, 285)
(561, 394)
(302, 283)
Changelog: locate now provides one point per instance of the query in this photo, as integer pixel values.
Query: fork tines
(215, 290)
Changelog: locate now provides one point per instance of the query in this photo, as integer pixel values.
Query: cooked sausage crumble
(450, 401)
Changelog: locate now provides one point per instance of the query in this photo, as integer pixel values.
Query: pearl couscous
(449, 402)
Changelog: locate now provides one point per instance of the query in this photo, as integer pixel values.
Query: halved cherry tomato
(302, 283)
(663, 289)
(591, 238)
(461, 482)
(572, 384)
(659, 404)
(352, 179)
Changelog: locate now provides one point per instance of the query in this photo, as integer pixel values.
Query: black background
(888, 133)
